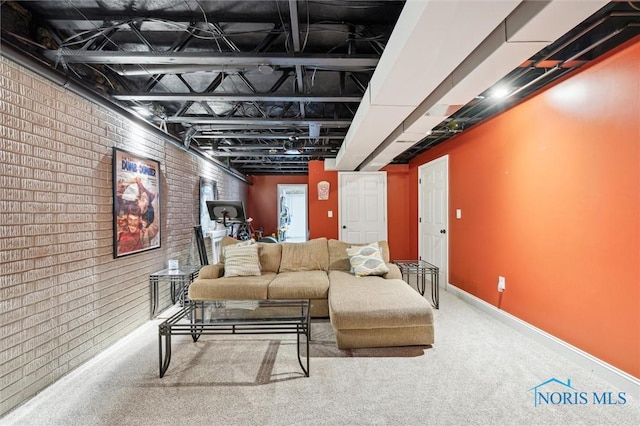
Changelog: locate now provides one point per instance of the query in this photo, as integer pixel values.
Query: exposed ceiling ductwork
(263, 87)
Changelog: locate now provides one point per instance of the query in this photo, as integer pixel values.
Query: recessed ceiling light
(500, 93)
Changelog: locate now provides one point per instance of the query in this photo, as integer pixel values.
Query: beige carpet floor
(478, 372)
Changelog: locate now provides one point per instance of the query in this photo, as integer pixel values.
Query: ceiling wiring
(229, 67)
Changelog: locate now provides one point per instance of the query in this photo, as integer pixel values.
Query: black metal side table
(179, 280)
(420, 269)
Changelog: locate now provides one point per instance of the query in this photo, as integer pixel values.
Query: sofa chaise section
(370, 312)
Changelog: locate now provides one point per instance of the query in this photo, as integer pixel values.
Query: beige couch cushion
(311, 255)
(373, 302)
(270, 256)
(239, 288)
(338, 258)
(299, 285)
(211, 271)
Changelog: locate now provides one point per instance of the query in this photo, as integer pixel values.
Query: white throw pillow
(241, 260)
(366, 260)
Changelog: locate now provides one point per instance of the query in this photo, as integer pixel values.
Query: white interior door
(433, 213)
(362, 206)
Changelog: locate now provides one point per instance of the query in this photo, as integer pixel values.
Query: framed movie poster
(208, 192)
(136, 203)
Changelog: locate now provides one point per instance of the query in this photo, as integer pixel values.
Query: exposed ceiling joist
(268, 154)
(259, 121)
(336, 61)
(233, 97)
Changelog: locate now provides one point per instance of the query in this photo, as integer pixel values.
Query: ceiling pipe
(269, 147)
(79, 89)
(268, 154)
(264, 136)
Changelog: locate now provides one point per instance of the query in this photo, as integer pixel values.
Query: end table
(420, 269)
(179, 279)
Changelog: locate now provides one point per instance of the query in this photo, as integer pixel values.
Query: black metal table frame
(300, 325)
(179, 282)
(420, 269)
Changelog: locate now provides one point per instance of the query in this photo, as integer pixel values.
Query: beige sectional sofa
(369, 311)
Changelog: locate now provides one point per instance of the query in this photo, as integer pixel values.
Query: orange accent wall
(550, 199)
(398, 211)
(320, 225)
(262, 203)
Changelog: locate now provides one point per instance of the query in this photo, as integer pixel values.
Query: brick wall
(63, 297)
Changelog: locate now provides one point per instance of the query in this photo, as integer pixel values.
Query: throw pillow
(367, 260)
(241, 260)
(228, 241)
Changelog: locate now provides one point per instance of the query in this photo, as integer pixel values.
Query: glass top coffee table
(236, 317)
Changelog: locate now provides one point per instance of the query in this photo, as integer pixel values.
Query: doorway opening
(292, 213)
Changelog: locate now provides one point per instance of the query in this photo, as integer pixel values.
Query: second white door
(433, 206)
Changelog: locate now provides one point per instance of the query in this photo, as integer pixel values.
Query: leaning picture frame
(208, 192)
(136, 203)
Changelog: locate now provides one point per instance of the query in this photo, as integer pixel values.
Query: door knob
(442, 231)
(344, 226)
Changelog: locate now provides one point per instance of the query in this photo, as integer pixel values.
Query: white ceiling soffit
(372, 122)
(552, 22)
(401, 142)
(527, 30)
(428, 42)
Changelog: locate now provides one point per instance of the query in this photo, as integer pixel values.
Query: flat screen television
(226, 211)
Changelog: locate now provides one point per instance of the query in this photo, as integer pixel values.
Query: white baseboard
(613, 375)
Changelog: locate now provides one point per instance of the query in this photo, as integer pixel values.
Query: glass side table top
(183, 270)
(414, 264)
(179, 279)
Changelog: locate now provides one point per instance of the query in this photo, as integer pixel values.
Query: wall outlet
(501, 284)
